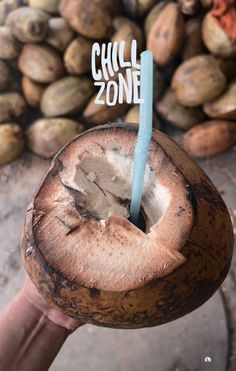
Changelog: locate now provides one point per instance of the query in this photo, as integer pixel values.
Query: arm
(31, 332)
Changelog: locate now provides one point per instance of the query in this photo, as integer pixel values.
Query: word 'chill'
(126, 87)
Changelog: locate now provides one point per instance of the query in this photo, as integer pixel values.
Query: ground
(202, 340)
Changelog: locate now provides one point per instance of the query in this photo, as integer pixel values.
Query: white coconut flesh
(105, 187)
(81, 220)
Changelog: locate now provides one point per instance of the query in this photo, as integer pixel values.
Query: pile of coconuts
(46, 88)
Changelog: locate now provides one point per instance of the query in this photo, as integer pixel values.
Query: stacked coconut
(47, 95)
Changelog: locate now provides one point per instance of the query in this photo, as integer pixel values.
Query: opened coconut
(86, 257)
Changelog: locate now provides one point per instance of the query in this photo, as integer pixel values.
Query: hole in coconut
(141, 221)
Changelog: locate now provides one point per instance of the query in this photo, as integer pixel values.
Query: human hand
(35, 299)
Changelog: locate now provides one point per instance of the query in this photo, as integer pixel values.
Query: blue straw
(144, 134)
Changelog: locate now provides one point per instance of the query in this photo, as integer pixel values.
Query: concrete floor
(202, 340)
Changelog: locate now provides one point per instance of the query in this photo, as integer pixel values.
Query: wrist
(41, 308)
(31, 334)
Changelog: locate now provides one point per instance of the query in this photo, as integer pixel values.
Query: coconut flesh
(81, 219)
(104, 185)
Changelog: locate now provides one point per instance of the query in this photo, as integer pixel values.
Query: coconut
(126, 30)
(97, 114)
(111, 6)
(77, 56)
(190, 7)
(133, 117)
(12, 105)
(193, 44)
(32, 91)
(28, 24)
(153, 15)
(6, 7)
(66, 96)
(138, 8)
(46, 137)
(210, 138)
(51, 6)
(10, 48)
(41, 63)
(206, 3)
(223, 107)
(216, 39)
(178, 115)
(59, 33)
(11, 142)
(198, 80)
(166, 36)
(86, 257)
(89, 18)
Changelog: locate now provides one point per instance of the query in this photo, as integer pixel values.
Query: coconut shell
(210, 138)
(178, 115)
(12, 105)
(98, 267)
(198, 80)
(11, 142)
(153, 15)
(27, 24)
(88, 18)
(59, 33)
(32, 91)
(112, 7)
(216, 39)
(166, 37)
(190, 7)
(126, 30)
(10, 48)
(97, 114)
(51, 6)
(132, 117)
(6, 7)
(193, 44)
(77, 56)
(46, 137)
(41, 63)
(206, 4)
(223, 107)
(66, 96)
(138, 8)
(5, 76)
